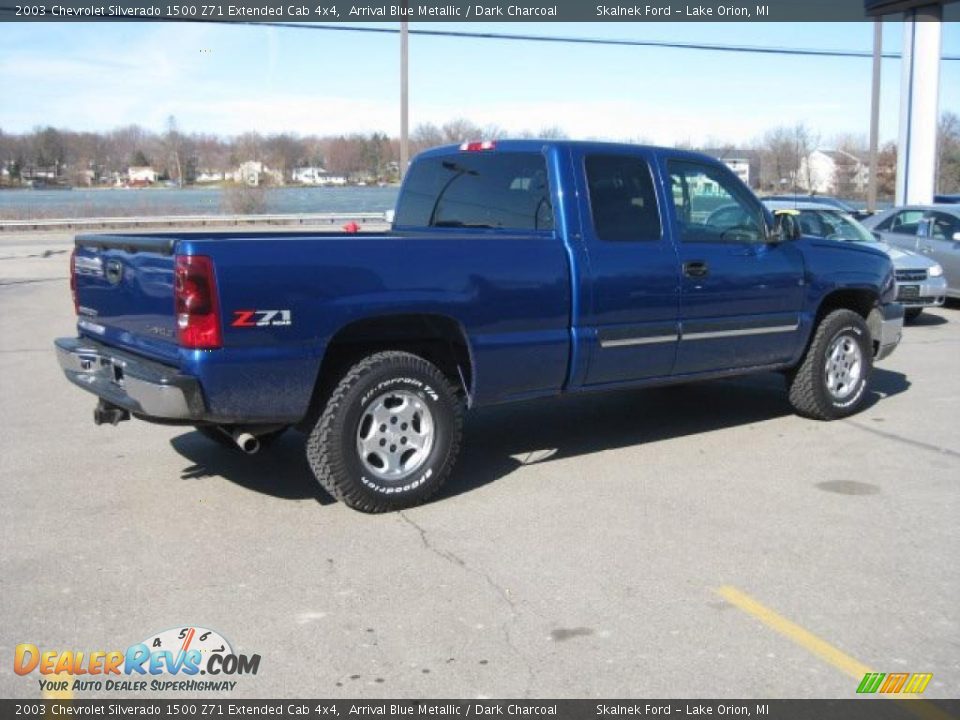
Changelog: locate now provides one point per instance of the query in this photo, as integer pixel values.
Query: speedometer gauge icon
(184, 639)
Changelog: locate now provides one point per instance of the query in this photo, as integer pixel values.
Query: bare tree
(785, 157)
(460, 130)
(948, 153)
(425, 136)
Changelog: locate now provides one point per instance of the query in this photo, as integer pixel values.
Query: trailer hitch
(106, 412)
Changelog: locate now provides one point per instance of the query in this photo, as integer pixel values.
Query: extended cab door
(741, 296)
(632, 289)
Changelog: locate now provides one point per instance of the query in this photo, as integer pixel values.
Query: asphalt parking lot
(697, 541)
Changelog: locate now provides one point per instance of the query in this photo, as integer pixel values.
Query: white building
(740, 167)
(254, 172)
(317, 176)
(833, 172)
(209, 176)
(140, 174)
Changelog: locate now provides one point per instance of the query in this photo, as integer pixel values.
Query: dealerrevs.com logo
(171, 660)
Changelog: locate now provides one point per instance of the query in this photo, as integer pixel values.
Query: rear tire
(831, 380)
(389, 435)
(911, 314)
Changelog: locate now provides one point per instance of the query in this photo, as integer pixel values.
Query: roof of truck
(535, 145)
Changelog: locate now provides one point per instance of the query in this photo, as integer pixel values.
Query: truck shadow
(281, 470)
(927, 320)
(501, 439)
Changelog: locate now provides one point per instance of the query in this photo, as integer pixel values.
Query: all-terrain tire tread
(805, 379)
(328, 467)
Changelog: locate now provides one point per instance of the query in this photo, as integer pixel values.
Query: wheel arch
(863, 301)
(438, 338)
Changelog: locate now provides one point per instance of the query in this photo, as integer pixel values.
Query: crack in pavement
(31, 280)
(907, 441)
(502, 592)
(45, 254)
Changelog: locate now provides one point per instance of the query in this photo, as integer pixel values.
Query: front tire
(911, 314)
(389, 435)
(832, 378)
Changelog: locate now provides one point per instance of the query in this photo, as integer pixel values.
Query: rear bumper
(886, 326)
(147, 389)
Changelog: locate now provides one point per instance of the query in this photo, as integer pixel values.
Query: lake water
(51, 204)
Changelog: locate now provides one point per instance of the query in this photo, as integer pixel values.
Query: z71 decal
(260, 318)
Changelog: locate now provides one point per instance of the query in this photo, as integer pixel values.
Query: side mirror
(876, 235)
(786, 226)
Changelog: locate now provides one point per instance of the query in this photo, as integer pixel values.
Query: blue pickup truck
(514, 270)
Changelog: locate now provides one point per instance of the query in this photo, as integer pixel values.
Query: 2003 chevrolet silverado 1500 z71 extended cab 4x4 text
(515, 270)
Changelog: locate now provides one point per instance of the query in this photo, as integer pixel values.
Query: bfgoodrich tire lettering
(833, 377)
(334, 448)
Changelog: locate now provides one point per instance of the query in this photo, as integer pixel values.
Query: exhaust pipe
(246, 442)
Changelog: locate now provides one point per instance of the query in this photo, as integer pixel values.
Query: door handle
(696, 268)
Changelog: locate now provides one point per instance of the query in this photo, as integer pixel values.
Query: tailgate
(125, 293)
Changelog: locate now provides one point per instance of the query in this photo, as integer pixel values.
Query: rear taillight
(73, 281)
(196, 306)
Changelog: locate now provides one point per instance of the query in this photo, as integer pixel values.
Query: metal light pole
(875, 114)
(404, 100)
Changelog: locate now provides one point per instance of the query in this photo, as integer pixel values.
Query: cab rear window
(477, 190)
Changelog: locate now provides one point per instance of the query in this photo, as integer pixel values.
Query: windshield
(834, 225)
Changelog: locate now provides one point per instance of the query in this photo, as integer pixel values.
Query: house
(317, 176)
(210, 176)
(833, 172)
(141, 175)
(744, 163)
(740, 167)
(254, 173)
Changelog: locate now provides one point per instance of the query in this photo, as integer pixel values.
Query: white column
(919, 106)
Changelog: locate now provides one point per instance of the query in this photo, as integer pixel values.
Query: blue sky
(230, 79)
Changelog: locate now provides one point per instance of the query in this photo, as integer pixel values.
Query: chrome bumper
(886, 327)
(931, 291)
(145, 388)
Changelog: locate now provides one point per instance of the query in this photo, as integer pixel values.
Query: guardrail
(361, 219)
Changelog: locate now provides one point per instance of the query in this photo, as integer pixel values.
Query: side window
(710, 207)
(477, 190)
(906, 222)
(623, 202)
(943, 226)
(884, 226)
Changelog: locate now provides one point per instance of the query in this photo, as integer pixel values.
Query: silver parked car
(920, 279)
(933, 230)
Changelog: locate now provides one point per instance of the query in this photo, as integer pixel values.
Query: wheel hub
(844, 366)
(395, 435)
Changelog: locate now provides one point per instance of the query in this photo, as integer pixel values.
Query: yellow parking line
(805, 639)
(821, 648)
